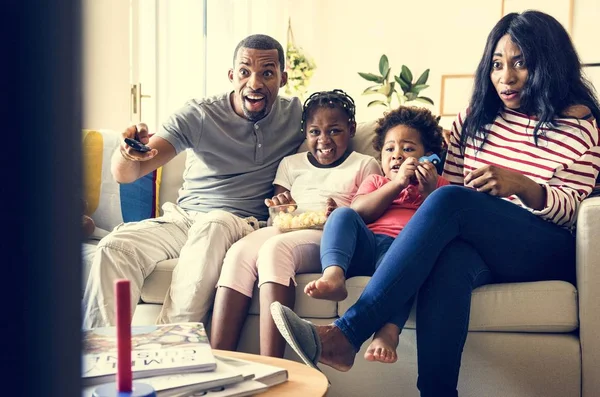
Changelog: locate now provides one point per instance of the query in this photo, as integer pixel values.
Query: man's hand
(331, 205)
(495, 181)
(427, 177)
(280, 199)
(140, 133)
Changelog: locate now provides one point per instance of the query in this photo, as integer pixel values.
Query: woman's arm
(454, 163)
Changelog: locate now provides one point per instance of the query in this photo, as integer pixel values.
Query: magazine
(187, 383)
(155, 350)
(264, 373)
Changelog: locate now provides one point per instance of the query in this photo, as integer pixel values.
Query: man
(234, 143)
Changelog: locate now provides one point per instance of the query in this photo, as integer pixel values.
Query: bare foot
(331, 286)
(383, 347)
(337, 351)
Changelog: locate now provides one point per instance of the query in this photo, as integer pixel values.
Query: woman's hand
(427, 177)
(501, 182)
(495, 181)
(331, 205)
(280, 199)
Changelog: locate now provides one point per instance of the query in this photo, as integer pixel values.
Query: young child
(356, 239)
(329, 173)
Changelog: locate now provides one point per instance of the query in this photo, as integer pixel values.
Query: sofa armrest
(588, 287)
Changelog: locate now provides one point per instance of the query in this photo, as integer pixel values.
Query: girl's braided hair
(332, 99)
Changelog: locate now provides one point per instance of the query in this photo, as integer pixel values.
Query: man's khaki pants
(132, 250)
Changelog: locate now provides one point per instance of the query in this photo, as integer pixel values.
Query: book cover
(187, 383)
(155, 350)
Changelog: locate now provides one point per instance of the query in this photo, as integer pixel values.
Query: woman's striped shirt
(565, 161)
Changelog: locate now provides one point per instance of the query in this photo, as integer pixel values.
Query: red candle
(123, 296)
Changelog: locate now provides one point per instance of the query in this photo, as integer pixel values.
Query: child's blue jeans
(457, 240)
(348, 243)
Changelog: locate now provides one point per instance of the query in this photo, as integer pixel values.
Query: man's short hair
(262, 42)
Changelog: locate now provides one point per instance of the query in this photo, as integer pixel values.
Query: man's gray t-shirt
(231, 161)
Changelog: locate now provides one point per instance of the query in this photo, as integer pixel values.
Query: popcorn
(307, 220)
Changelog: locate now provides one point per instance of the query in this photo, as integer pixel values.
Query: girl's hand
(280, 199)
(331, 205)
(427, 177)
(495, 181)
(407, 171)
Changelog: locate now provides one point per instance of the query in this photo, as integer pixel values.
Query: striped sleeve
(572, 181)
(454, 164)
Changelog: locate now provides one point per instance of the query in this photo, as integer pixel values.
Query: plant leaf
(401, 98)
(405, 87)
(372, 89)
(406, 74)
(384, 65)
(423, 78)
(424, 99)
(371, 77)
(411, 96)
(373, 103)
(418, 88)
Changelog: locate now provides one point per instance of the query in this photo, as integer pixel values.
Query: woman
(526, 153)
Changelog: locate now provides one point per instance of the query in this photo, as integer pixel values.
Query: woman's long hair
(555, 80)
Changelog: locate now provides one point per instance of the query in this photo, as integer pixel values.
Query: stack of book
(176, 360)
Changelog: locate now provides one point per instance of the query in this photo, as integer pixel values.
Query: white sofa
(527, 339)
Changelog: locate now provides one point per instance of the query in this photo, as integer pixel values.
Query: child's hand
(280, 199)
(427, 177)
(331, 205)
(407, 171)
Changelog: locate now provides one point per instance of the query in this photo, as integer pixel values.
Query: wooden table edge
(296, 383)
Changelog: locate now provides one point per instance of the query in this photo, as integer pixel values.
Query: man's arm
(136, 165)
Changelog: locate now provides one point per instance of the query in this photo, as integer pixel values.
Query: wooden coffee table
(302, 380)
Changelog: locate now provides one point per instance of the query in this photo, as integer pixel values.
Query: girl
(355, 239)
(329, 173)
(523, 157)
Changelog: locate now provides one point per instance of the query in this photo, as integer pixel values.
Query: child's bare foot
(331, 286)
(337, 351)
(383, 347)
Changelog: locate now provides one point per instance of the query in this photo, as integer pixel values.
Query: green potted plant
(409, 90)
(300, 67)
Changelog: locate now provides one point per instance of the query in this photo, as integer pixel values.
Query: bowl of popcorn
(290, 217)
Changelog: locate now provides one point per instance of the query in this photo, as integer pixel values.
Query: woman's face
(509, 72)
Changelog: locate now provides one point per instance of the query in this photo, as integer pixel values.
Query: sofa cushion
(305, 305)
(157, 283)
(543, 306)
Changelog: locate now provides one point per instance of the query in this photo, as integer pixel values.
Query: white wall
(344, 37)
(446, 36)
(105, 29)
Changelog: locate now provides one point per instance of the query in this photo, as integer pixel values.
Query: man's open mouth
(326, 151)
(254, 101)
